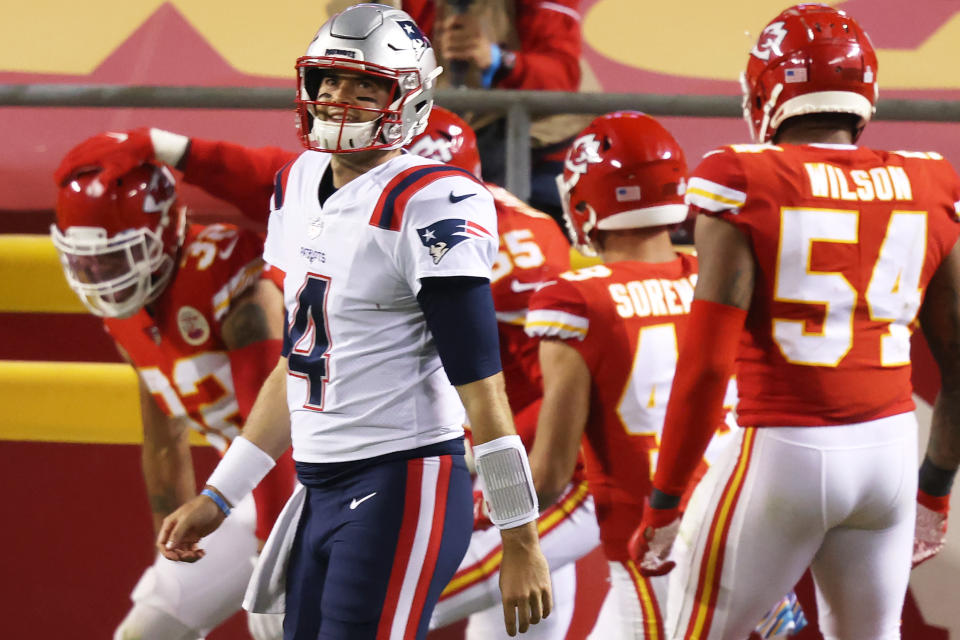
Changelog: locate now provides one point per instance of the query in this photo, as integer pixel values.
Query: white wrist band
(241, 469)
(506, 481)
(168, 147)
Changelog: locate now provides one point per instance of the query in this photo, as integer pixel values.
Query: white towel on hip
(266, 591)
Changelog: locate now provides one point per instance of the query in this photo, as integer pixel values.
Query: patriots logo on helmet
(417, 39)
(444, 235)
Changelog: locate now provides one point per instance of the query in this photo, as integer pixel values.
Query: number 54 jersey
(364, 376)
(846, 240)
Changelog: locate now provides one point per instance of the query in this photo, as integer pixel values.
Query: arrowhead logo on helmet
(447, 138)
(770, 40)
(624, 171)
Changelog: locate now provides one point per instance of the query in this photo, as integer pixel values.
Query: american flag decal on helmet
(444, 235)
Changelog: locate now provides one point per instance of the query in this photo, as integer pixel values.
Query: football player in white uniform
(385, 260)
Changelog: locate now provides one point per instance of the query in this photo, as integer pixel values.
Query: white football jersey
(364, 377)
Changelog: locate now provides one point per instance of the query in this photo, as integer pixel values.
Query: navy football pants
(375, 548)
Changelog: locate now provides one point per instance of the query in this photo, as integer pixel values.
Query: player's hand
(114, 152)
(182, 529)
(652, 541)
(463, 39)
(524, 579)
(931, 531)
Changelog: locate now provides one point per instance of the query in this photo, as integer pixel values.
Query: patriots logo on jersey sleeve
(444, 235)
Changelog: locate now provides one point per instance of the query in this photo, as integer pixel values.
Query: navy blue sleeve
(459, 313)
(287, 344)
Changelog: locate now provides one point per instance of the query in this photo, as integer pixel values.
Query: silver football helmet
(378, 41)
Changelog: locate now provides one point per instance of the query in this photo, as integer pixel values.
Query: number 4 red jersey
(846, 240)
(178, 350)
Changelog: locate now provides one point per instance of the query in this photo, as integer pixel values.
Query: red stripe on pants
(401, 558)
(433, 548)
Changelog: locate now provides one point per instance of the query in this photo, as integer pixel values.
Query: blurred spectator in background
(509, 44)
(513, 44)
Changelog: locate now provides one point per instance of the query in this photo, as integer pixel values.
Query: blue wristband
(496, 59)
(213, 495)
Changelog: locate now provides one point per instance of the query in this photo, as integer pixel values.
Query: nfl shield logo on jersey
(444, 235)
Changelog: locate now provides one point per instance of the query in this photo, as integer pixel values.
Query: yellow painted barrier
(71, 402)
(31, 279)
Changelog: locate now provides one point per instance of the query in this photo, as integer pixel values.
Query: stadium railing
(517, 105)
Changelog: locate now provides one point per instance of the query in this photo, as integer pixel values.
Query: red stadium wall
(77, 538)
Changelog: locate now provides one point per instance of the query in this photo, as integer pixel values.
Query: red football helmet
(624, 171)
(810, 59)
(118, 242)
(448, 139)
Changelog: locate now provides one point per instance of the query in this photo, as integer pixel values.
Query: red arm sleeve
(550, 40)
(699, 385)
(240, 175)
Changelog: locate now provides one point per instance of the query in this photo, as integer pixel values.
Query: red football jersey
(625, 319)
(533, 250)
(178, 350)
(846, 240)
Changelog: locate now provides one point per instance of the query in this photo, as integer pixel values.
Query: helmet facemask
(352, 129)
(579, 221)
(114, 277)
